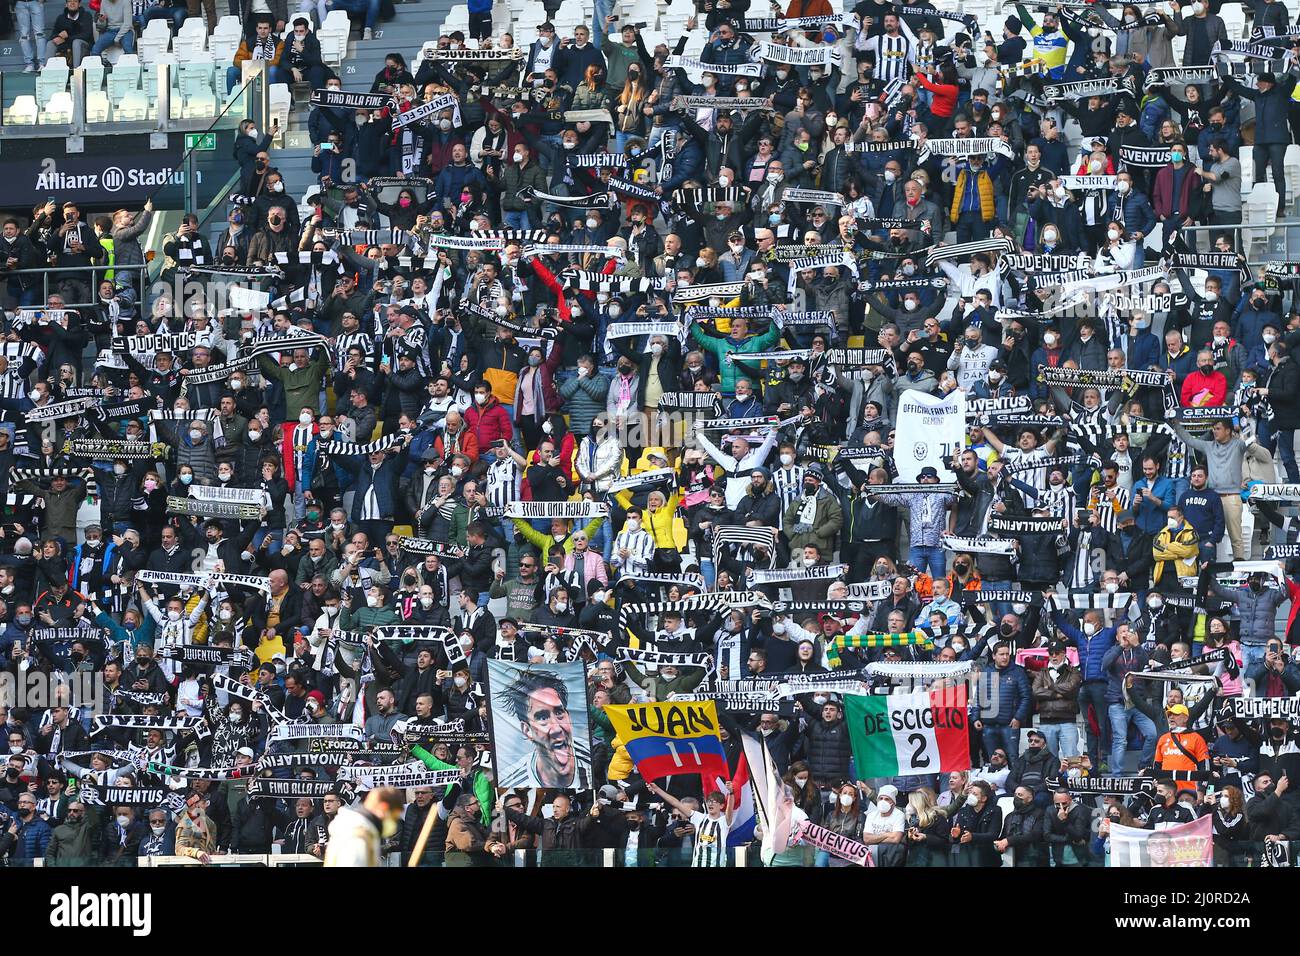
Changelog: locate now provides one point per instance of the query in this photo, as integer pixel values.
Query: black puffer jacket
(1040, 561)
(1033, 769)
(827, 748)
(1023, 829)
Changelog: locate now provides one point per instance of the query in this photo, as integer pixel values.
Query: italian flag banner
(906, 735)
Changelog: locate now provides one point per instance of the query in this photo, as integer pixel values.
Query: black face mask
(1006, 630)
(961, 568)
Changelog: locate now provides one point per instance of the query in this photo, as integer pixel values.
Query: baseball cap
(1056, 647)
(1177, 709)
(246, 752)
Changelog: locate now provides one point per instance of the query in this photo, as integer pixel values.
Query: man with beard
(540, 702)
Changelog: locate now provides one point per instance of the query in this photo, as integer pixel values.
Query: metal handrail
(1238, 227)
(140, 268)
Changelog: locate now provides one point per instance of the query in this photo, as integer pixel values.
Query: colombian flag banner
(671, 737)
(904, 735)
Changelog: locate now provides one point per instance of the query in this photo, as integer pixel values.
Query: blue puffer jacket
(1007, 690)
(1118, 663)
(1256, 609)
(1092, 650)
(33, 838)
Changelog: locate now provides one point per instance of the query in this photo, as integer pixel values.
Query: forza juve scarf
(422, 111)
(198, 507)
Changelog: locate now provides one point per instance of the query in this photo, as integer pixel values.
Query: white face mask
(1224, 802)
(1112, 587)
(158, 830)
(196, 435)
(561, 606)
(1049, 339)
(846, 799)
(1113, 233)
(592, 224)
(656, 348)
(372, 600)
(1173, 523)
(1122, 187)
(173, 615)
(426, 602)
(724, 181)
(911, 305)
(480, 399)
(519, 157)
(254, 436)
(632, 525)
(1089, 628)
(305, 418)
(1049, 238)
(801, 782)
(972, 800)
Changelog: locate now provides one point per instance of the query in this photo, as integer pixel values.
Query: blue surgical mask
(774, 219)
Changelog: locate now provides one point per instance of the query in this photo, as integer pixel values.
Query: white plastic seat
(94, 67)
(97, 107)
(1292, 166)
(58, 109)
(125, 77)
(134, 107)
(229, 25)
(186, 45)
(157, 27)
(202, 105)
(52, 79)
(196, 75)
(281, 103)
(23, 112)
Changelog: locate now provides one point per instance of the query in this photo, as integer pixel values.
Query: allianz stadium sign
(107, 177)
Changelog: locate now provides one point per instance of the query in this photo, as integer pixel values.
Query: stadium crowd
(841, 215)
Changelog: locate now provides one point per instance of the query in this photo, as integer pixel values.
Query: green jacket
(543, 542)
(301, 386)
(514, 179)
(721, 346)
(306, 570)
(73, 844)
(687, 679)
(483, 788)
(364, 618)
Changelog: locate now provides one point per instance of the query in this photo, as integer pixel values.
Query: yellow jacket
(621, 764)
(984, 184)
(543, 542)
(1182, 547)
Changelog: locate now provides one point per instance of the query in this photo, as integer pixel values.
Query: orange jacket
(245, 52)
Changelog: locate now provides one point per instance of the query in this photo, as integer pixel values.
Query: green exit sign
(201, 142)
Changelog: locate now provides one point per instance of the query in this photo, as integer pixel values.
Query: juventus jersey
(894, 55)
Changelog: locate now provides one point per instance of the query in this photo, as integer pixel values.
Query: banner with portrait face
(541, 731)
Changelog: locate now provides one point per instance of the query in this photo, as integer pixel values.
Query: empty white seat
(195, 74)
(133, 107)
(1292, 166)
(58, 109)
(186, 45)
(94, 67)
(230, 26)
(156, 27)
(53, 79)
(337, 20)
(222, 48)
(97, 108)
(199, 106)
(281, 103)
(23, 112)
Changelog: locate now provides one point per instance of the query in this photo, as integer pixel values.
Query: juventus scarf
(370, 237)
(644, 477)
(744, 536)
(979, 545)
(713, 601)
(410, 632)
(925, 670)
(594, 201)
(819, 572)
(241, 690)
(664, 658)
(1104, 786)
(1081, 89)
(1220, 655)
(969, 146)
(1050, 463)
(816, 197)
(1099, 601)
(1181, 76)
(1255, 708)
(678, 62)
(797, 56)
(1101, 378)
(839, 608)
(1010, 404)
(578, 249)
(1273, 492)
(1019, 526)
(219, 373)
(790, 253)
(918, 488)
(1253, 51)
(369, 448)
(347, 100)
(859, 358)
(279, 343)
(119, 411)
(964, 250)
(890, 146)
(1148, 157)
(173, 578)
(728, 103)
(279, 789)
(423, 111)
(57, 410)
(201, 773)
(1281, 552)
(892, 285)
(149, 722)
(248, 496)
(989, 596)
(207, 654)
(94, 795)
(1031, 262)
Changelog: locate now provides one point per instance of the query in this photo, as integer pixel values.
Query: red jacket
(489, 422)
(286, 449)
(1215, 384)
(1162, 195)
